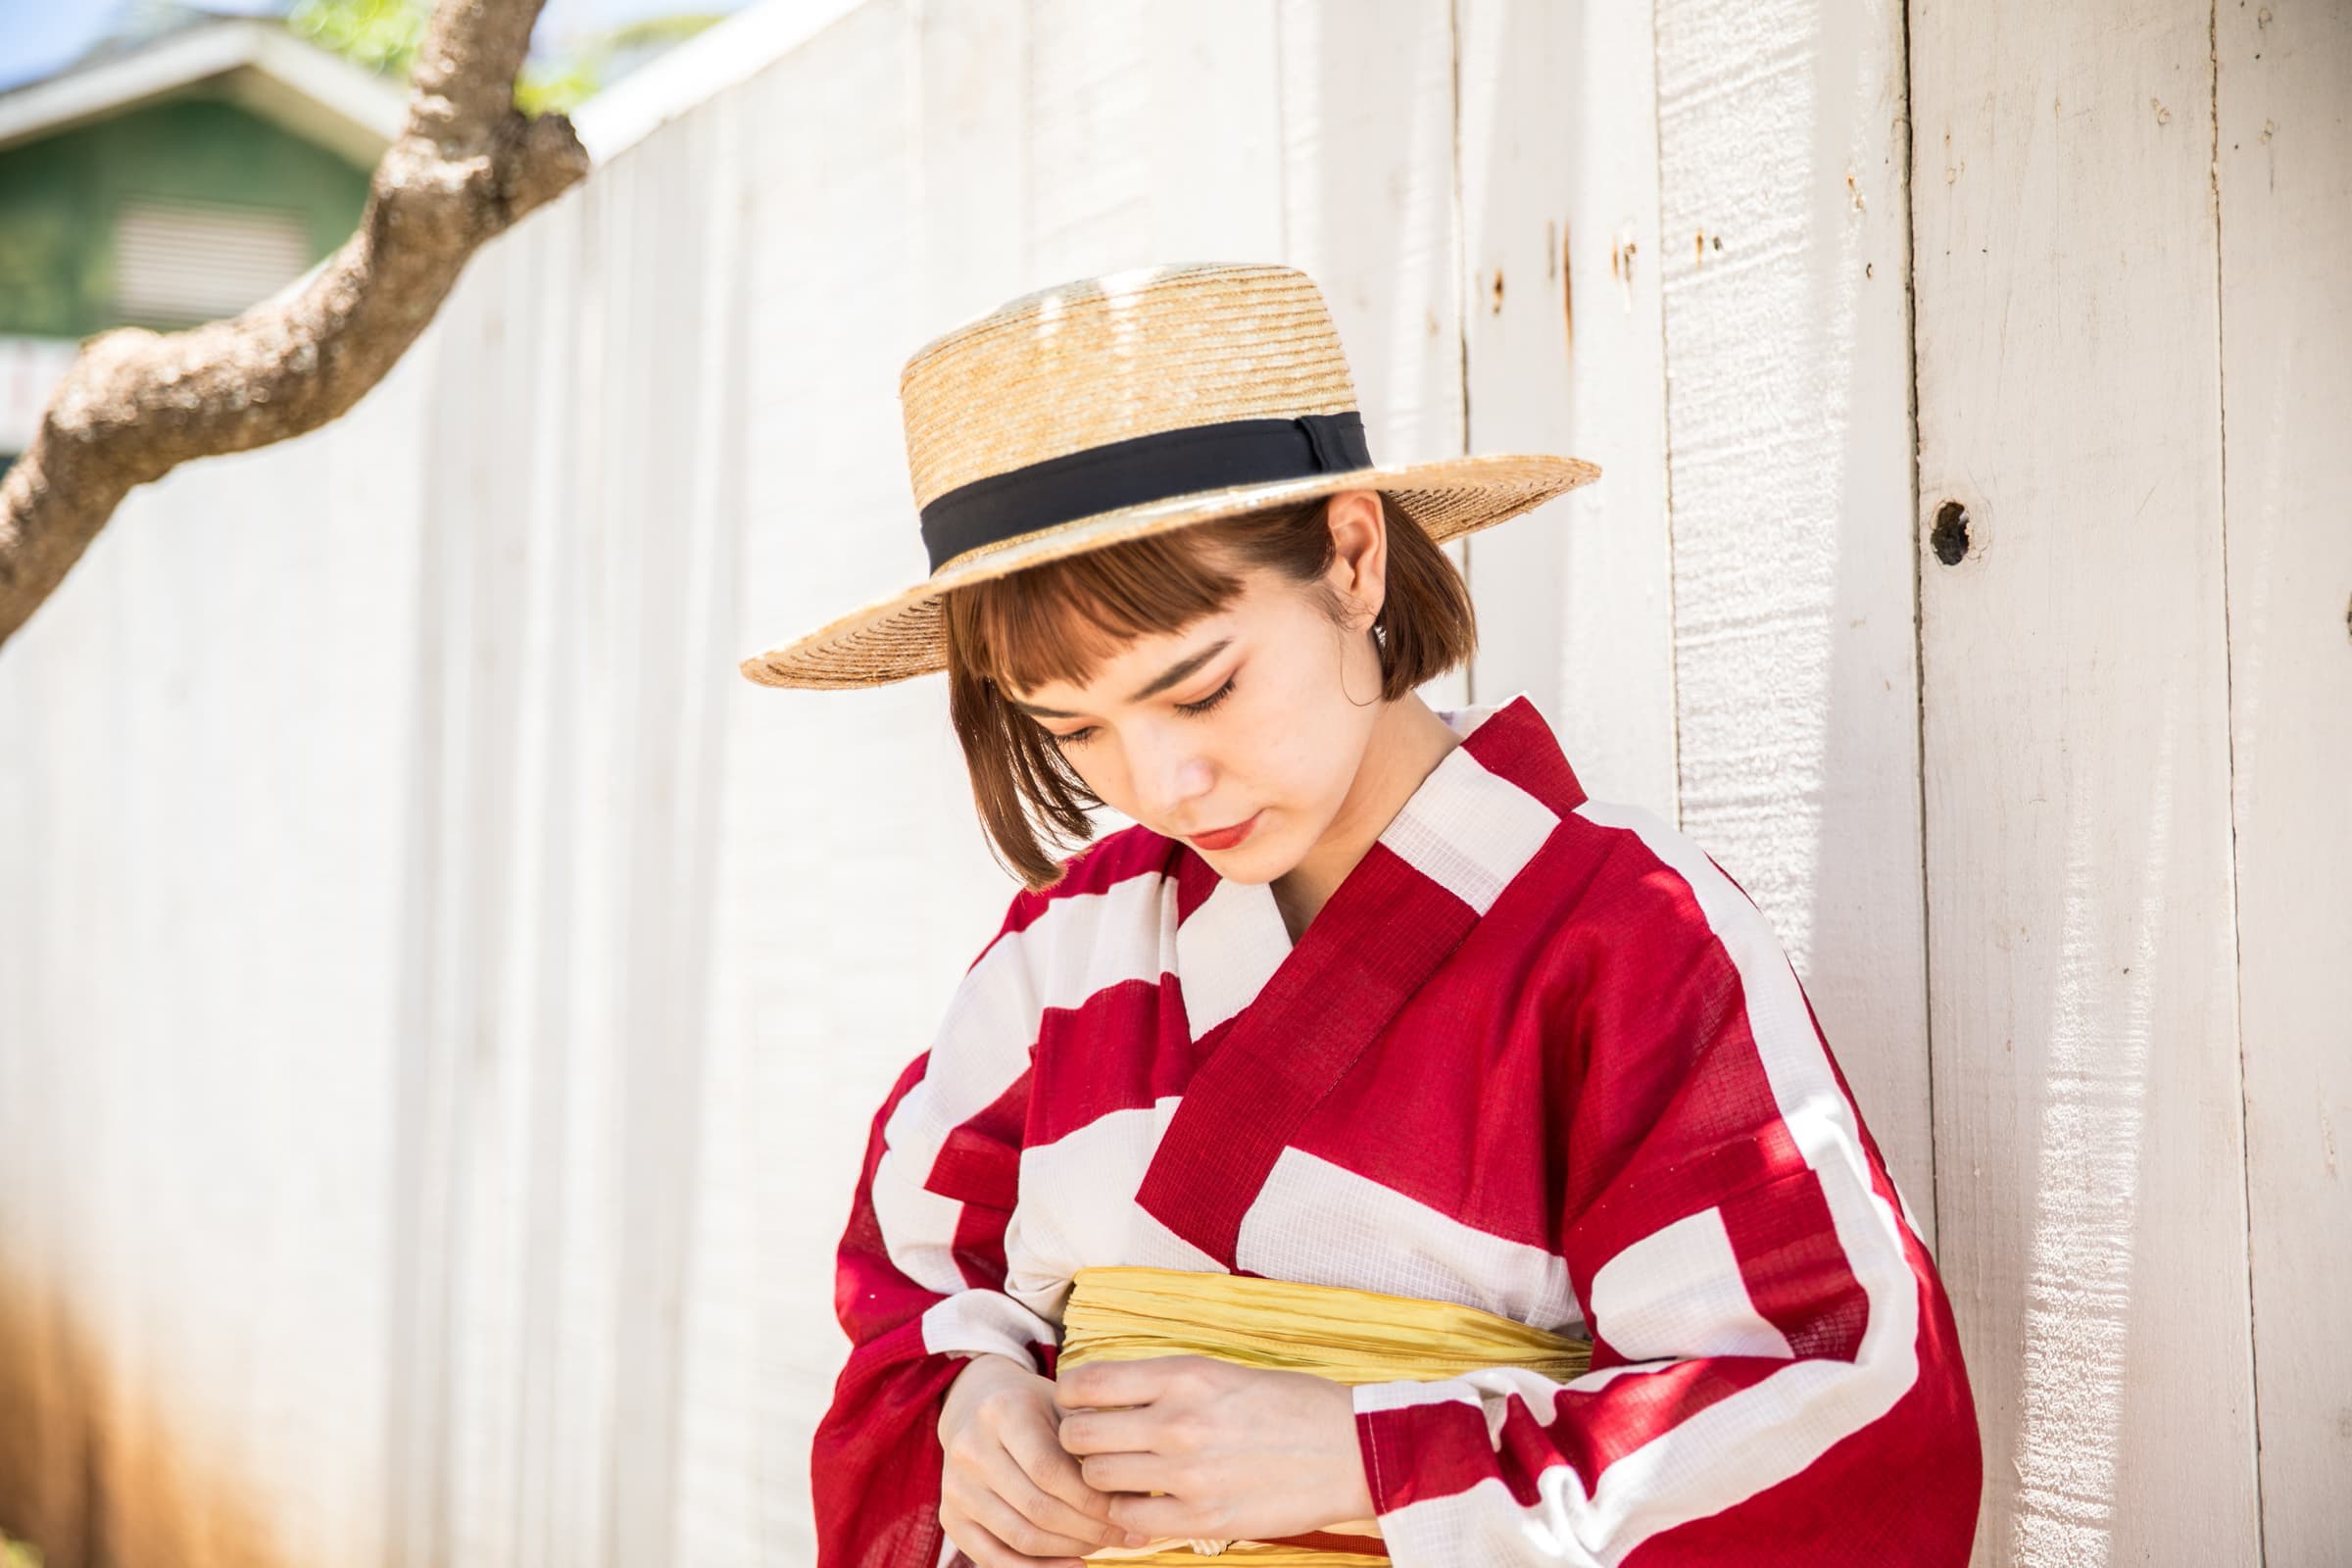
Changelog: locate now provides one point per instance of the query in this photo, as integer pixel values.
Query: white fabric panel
(919, 1225)
(1677, 1291)
(1077, 947)
(1743, 1438)
(1079, 1208)
(1227, 952)
(1321, 1224)
(1492, 829)
(971, 1322)
(1464, 718)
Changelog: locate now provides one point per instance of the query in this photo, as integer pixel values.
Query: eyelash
(1079, 737)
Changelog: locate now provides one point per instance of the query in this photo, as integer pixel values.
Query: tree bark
(137, 404)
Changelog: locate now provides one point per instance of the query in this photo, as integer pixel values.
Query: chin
(1239, 866)
(1263, 857)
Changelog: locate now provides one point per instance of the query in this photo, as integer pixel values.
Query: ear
(1359, 551)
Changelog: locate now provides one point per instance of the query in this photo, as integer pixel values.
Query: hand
(1008, 1494)
(1242, 1454)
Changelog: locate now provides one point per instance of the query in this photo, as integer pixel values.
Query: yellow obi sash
(1348, 1336)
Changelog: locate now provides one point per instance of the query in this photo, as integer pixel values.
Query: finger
(1112, 1431)
(1024, 1536)
(1101, 1384)
(1126, 1472)
(1042, 1509)
(1063, 1500)
(982, 1544)
(1160, 1518)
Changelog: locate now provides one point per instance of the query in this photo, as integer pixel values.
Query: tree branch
(137, 404)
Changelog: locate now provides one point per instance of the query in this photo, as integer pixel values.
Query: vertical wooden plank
(1788, 356)
(676, 542)
(2285, 183)
(472, 1453)
(1616, 620)
(1368, 129)
(2082, 935)
(1087, 106)
(1559, 190)
(552, 1009)
(423, 1169)
(970, 179)
(1367, 114)
(1511, 153)
(1152, 134)
(1217, 175)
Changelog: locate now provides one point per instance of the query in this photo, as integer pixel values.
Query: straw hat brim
(899, 637)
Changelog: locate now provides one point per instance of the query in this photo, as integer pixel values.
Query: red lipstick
(1225, 838)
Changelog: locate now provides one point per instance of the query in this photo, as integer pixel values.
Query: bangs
(1060, 621)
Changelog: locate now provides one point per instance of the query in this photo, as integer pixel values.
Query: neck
(1407, 741)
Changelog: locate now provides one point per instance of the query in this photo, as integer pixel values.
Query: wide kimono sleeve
(919, 1281)
(1776, 1378)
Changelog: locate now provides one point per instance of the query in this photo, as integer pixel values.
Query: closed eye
(1080, 737)
(1208, 702)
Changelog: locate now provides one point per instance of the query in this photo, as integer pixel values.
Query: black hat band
(1143, 468)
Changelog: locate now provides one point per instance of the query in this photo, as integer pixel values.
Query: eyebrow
(1167, 677)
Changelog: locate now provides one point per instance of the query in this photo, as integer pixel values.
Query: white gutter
(697, 70)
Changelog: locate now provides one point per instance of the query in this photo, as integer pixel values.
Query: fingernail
(1134, 1540)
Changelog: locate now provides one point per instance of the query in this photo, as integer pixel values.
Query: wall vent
(178, 261)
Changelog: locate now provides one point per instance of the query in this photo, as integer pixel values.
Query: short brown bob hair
(1060, 620)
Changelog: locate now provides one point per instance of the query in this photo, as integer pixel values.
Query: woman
(1370, 998)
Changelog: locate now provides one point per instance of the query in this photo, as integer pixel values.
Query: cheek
(1296, 755)
(1104, 770)
(1303, 729)
(1099, 771)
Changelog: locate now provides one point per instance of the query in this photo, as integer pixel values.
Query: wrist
(979, 1373)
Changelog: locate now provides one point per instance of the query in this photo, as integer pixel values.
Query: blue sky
(39, 36)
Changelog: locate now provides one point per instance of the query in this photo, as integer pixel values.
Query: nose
(1168, 773)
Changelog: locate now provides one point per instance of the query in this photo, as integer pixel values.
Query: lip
(1225, 838)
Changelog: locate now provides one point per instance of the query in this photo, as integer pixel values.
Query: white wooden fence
(440, 1002)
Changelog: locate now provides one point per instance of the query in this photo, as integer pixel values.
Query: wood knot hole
(1949, 538)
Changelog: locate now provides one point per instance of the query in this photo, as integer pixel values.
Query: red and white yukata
(1537, 1054)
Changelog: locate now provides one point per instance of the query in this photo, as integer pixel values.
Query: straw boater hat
(1114, 407)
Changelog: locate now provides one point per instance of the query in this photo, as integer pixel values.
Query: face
(1241, 734)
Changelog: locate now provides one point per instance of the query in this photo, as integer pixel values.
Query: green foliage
(384, 35)
(556, 89)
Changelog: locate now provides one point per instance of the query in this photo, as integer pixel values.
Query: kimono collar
(1275, 1026)
(1470, 826)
